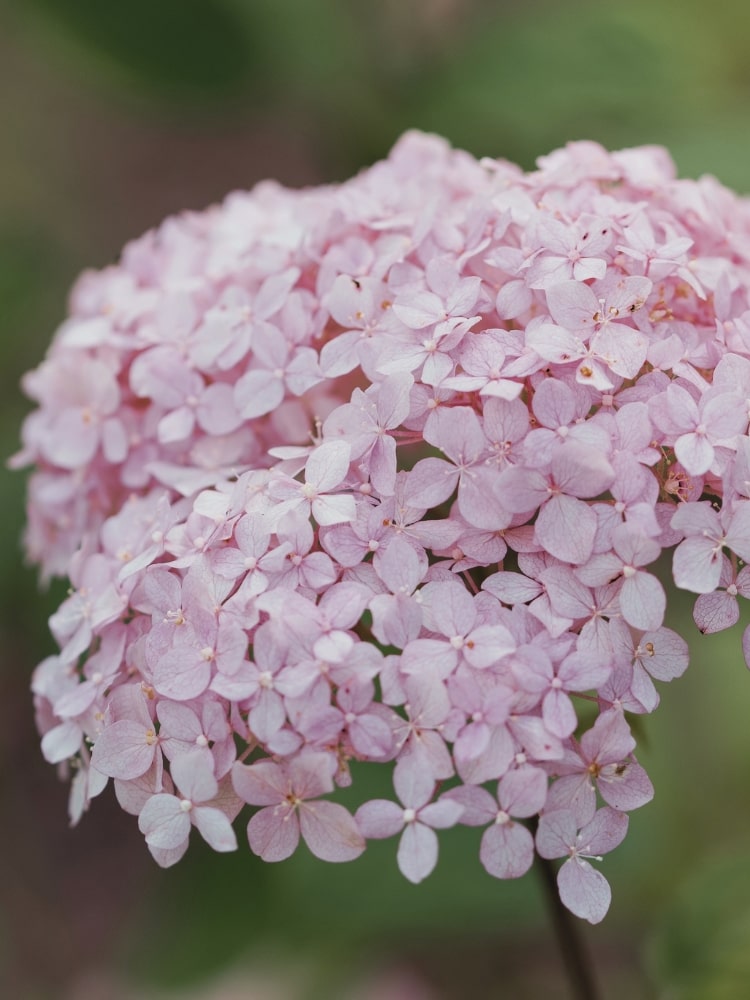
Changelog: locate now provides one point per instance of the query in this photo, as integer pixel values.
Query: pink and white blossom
(378, 472)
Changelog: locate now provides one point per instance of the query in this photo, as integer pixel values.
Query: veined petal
(215, 828)
(584, 890)
(643, 601)
(566, 527)
(417, 851)
(273, 833)
(506, 850)
(330, 832)
(164, 822)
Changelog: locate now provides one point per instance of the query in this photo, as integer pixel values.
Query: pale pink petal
(61, 742)
(216, 411)
(430, 482)
(182, 674)
(487, 645)
(341, 354)
(273, 833)
(380, 818)
(429, 658)
(553, 343)
(442, 814)
(327, 465)
(215, 828)
(625, 785)
(566, 528)
(556, 833)
(643, 601)
(695, 452)
(478, 806)
(193, 773)
(417, 852)
(257, 392)
(523, 792)
(584, 891)
(520, 490)
(166, 857)
(454, 609)
(558, 713)
(738, 534)
(423, 309)
(124, 750)
(665, 654)
(261, 784)
(604, 832)
(164, 822)
(176, 426)
(513, 299)
(330, 832)
(572, 305)
(623, 348)
(716, 612)
(72, 441)
(477, 502)
(334, 509)
(413, 787)
(472, 741)
(507, 850)
(512, 588)
(581, 471)
(311, 775)
(267, 716)
(697, 565)
(371, 736)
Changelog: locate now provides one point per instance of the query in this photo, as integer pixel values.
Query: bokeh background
(113, 115)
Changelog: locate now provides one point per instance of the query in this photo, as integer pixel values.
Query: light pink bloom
(166, 819)
(418, 817)
(602, 759)
(698, 559)
(326, 469)
(376, 472)
(583, 889)
(286, 792)
(565, 526)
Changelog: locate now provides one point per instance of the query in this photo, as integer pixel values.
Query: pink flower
(285, 792)
(603, 758)
(565, 526)
(417, 817)
(507, 848)
(698, 428)
(165, 820)
(377, 472)
(698, 559)
(325, 469)
(583, 889)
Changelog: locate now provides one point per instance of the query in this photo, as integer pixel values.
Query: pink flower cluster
(379, 472)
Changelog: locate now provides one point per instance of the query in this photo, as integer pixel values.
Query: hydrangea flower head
(379, 472)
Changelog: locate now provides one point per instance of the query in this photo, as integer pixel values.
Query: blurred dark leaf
(181, 48)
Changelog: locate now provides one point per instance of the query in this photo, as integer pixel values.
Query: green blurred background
(113, 115)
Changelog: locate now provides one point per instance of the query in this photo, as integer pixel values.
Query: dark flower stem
(568, 934)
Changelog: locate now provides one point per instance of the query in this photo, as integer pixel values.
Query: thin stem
(574, 955)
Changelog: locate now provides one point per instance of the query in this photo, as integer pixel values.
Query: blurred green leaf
(182, 48)
(540, 71)
(701, 950)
